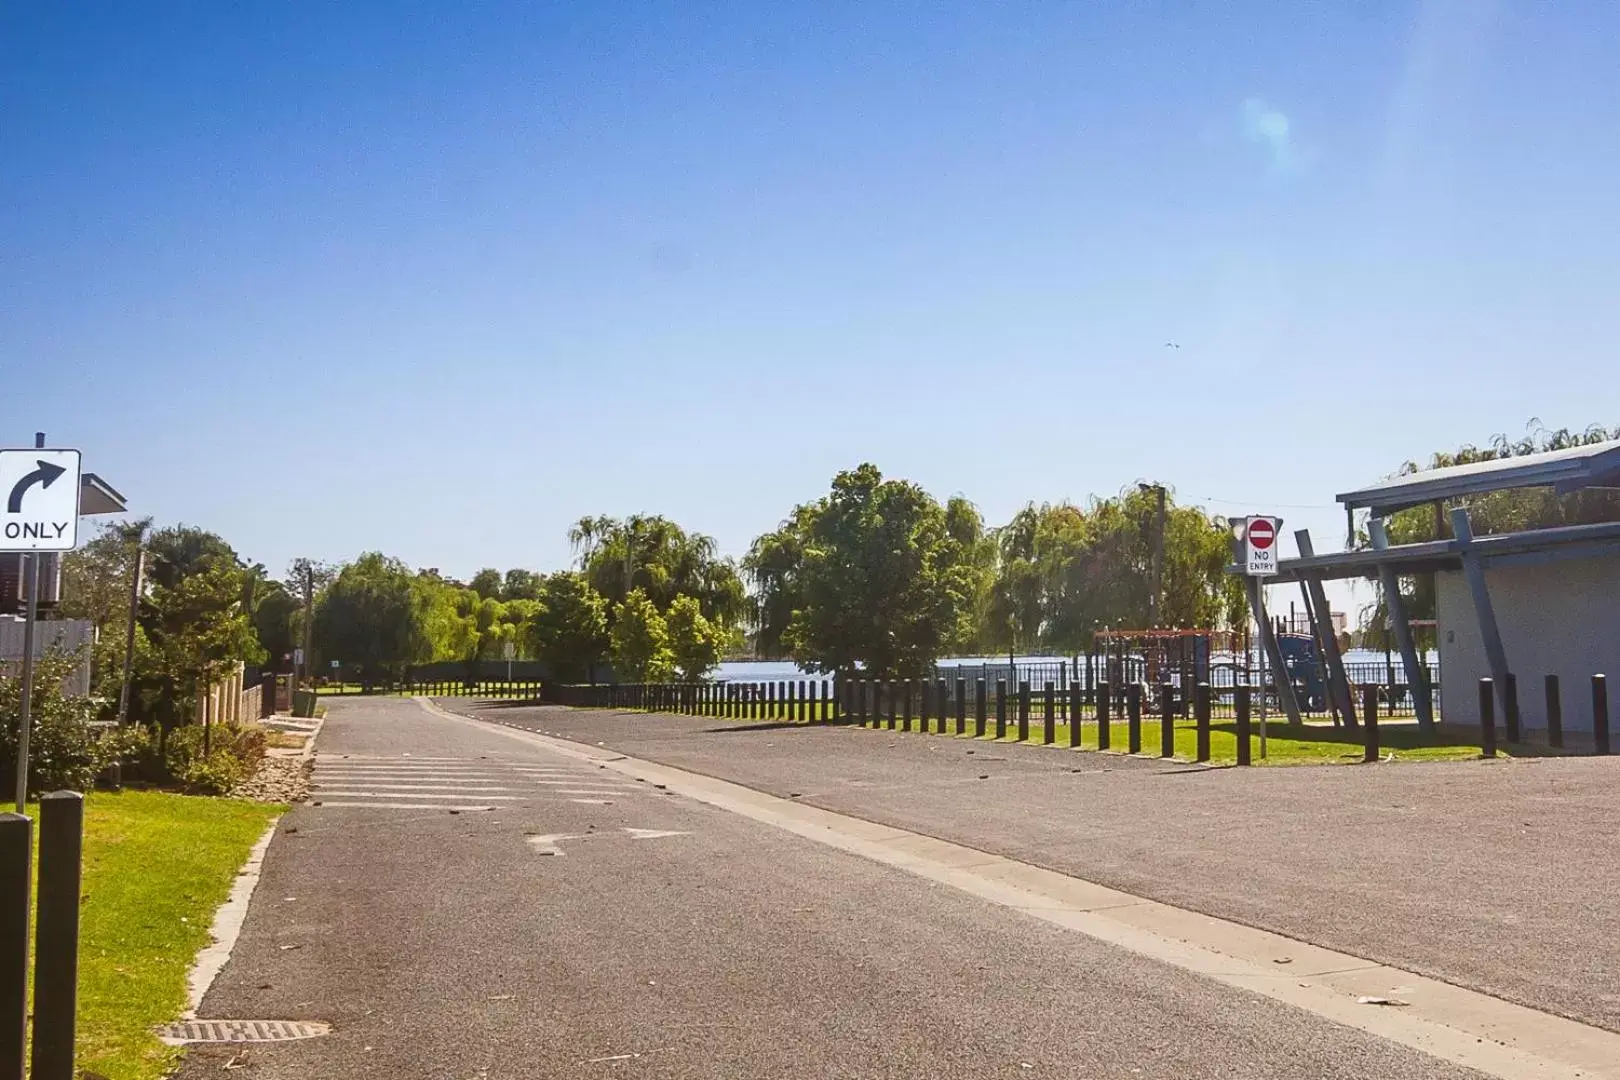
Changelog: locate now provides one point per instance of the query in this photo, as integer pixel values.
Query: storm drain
(242, 1031)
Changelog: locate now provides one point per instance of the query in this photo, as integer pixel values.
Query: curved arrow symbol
(44, 476)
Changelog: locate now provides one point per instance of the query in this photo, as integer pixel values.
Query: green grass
(156, 866)
(1309, 744)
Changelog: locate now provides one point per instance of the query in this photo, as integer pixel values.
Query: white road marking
(471, 789)
(593, 802)
(547, 845)
(581, 779)
(415, 794)
(588, 791)
(654, 834)
(322, 805)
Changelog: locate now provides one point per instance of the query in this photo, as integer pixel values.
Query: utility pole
(309, 619)
(129, 634)
(1155, 597)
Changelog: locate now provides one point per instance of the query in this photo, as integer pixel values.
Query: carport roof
(1595, 465)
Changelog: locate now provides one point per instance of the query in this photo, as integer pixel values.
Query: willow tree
(663, 560)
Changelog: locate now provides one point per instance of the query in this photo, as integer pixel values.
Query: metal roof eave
(1434, 555)
(1565, 470)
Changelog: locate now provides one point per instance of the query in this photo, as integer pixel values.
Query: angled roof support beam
(1417, 675)
(1489, 635)
(1316, 606)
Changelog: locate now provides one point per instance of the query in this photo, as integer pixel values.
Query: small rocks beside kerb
(279, 779)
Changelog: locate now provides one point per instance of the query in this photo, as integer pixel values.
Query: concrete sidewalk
(1498, 876)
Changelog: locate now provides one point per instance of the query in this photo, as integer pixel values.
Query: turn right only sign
(39, 494)
(1260, 545)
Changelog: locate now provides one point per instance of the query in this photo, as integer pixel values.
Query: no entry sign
(1260, 543)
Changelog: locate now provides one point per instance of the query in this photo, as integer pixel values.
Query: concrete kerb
(1462, 1026)
(227, 925)
(229, 917)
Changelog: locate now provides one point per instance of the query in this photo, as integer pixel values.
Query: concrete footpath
(462, 903)
(1497, 876)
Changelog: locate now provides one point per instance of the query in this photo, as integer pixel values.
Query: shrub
(62, 750)
(233, 756)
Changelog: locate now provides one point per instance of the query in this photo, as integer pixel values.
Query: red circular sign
(1262, 532)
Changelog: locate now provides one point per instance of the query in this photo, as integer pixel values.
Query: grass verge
(1308, 744)
(156, 866)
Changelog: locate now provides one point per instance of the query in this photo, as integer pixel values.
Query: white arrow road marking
(654, 834)
(547, 845)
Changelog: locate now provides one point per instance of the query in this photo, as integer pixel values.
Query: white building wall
(1559, 618)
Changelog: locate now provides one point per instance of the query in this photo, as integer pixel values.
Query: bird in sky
(1172, 345)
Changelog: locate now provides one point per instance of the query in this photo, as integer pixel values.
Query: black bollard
(1049, 715)
(961, 706)
(1167, 720)
(1510, 707)
(1105, 722)
(1077, 702)
(907, 724)
(1001, 708)
(1201, 716)
(1555, 713)
(1369, 723)
(1487, 718)
(893, 697)
(980, 708)
(1133, 717)
(16, 875)
(56, 937)
(1600, 714)
(1242, 726)
(1023, 710)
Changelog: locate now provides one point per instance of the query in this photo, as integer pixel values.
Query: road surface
(1499, 876)
(460, 903)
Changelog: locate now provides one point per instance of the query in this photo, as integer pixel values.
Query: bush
(233, 757)
(62, 746)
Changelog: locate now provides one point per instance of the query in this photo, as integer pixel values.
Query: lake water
(779, 670)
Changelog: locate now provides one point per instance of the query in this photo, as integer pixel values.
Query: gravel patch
(280, 779)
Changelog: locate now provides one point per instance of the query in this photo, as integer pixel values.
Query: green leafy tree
(640, 638)
(195, 627)
(521, 585)
(873, 574)
(376, 616)
(486, 583)
(568, 632)
(661, 559)
(695, 643)
(96, 580)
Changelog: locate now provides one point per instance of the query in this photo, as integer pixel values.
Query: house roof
(1596, 465)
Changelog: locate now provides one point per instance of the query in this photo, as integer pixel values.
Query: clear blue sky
(441, 278)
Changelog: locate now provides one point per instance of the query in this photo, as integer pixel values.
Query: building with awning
(1528, 604)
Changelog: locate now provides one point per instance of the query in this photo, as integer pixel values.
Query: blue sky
(441, 278)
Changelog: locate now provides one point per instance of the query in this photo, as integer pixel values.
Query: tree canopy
(871, 573)
(663, 560)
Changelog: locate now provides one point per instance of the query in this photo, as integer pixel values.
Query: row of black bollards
(1555, 713)
(56, 937)
(888, 703)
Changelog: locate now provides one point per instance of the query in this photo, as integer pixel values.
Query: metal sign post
(1260, 561)
(41, 513)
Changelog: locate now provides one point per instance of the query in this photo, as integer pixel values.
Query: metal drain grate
(239, 1031)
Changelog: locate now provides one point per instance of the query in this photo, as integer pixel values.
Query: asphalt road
(702, 944)
(1498, 876)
